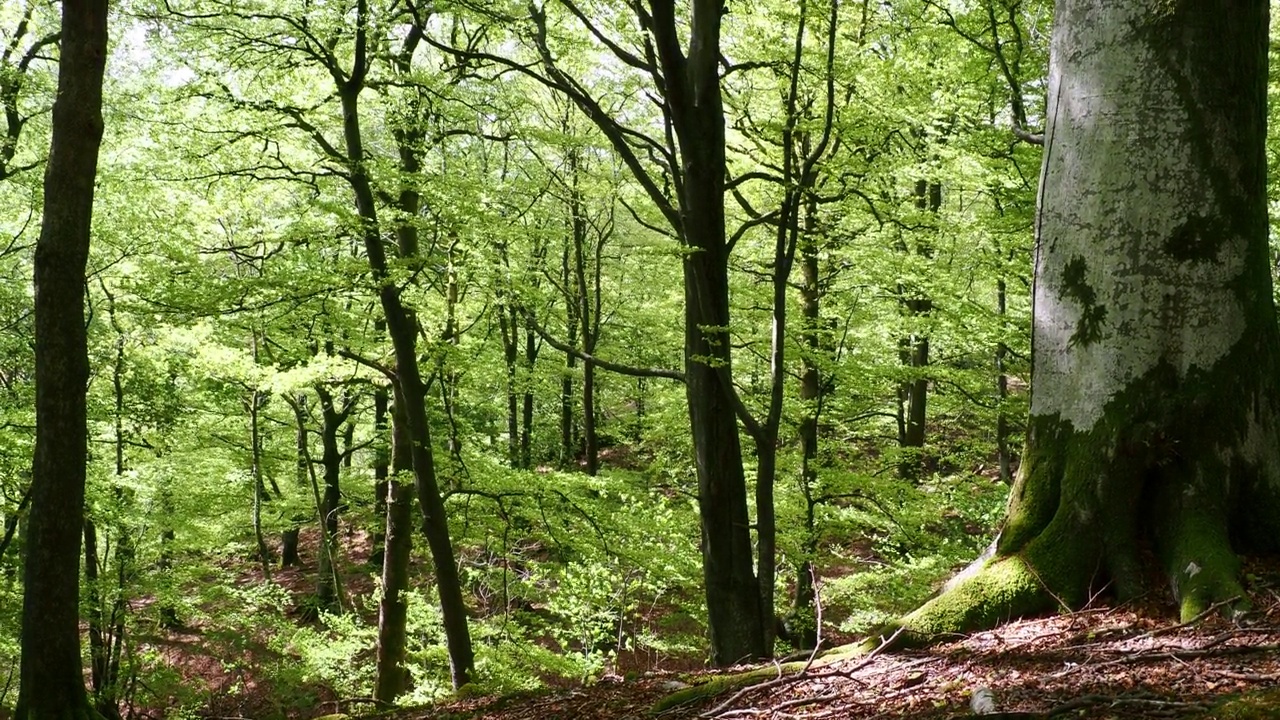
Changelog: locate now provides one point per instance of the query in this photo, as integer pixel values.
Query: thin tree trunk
(381, 463)
(1003, 452)
(526, 410)
(289, 556)
(393, 676)
(254, 404)
(328, 583)
(448, 374)
(11, 524)
(815, 351)
(508, 323)
(688, 56)
(168, 613)
(403, 332)
(568, 435)
(106, 625)
(52, 683)
(913, 348)
(587, 315)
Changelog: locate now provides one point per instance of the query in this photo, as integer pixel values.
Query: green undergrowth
(568, 579)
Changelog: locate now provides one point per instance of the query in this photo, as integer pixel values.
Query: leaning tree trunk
(51, 676)
(1154, 407)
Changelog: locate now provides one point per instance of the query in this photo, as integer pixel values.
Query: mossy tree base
(1160, 487)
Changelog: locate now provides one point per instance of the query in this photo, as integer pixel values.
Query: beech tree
(51, 673)
(679, 54)
(1154, 394)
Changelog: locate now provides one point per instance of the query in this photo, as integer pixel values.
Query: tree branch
(628, 370)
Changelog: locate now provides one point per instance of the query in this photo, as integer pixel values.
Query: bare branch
(628, 370)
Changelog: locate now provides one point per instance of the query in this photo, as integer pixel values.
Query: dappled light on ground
(1127, 662)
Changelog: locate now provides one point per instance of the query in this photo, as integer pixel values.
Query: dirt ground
(1124, 662)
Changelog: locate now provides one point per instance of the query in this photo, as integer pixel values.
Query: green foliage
(336, 654)
(227, 267)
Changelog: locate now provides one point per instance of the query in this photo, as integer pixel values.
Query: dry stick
(817, 625)
(1168, 654)
(783, 679)
(1201, 616)
(1085, 701)
(1253, 677)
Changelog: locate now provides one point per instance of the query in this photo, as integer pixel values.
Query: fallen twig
(803, 673)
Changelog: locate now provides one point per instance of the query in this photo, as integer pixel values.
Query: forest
(372, 354)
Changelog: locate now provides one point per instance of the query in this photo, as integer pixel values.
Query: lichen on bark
(1152, 443)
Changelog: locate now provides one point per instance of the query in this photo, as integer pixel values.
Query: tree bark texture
(1154, 401)
(410, 388)
(51, 670)
(733, 598)
(393, 677)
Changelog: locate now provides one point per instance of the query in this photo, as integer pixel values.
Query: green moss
(1036, 492)
(720, 684)
(1003, 590)
(1260, 705)
(1196, 552)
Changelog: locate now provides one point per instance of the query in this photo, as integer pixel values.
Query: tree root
(993, 591)
(767, 677)
(1001, 590)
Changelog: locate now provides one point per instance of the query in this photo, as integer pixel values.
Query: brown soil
(1102, 663)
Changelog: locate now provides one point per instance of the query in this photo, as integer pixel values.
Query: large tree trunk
(52, 680)
(1154, 407)
(733, 597)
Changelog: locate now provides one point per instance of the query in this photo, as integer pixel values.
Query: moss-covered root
(1257, 705)
(1203, 570)
(1004, 589)
(721, 684)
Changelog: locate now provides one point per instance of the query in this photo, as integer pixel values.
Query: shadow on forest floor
(1127, 662)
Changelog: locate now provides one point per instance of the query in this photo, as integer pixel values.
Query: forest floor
(1133, 661)
(1102, 663)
